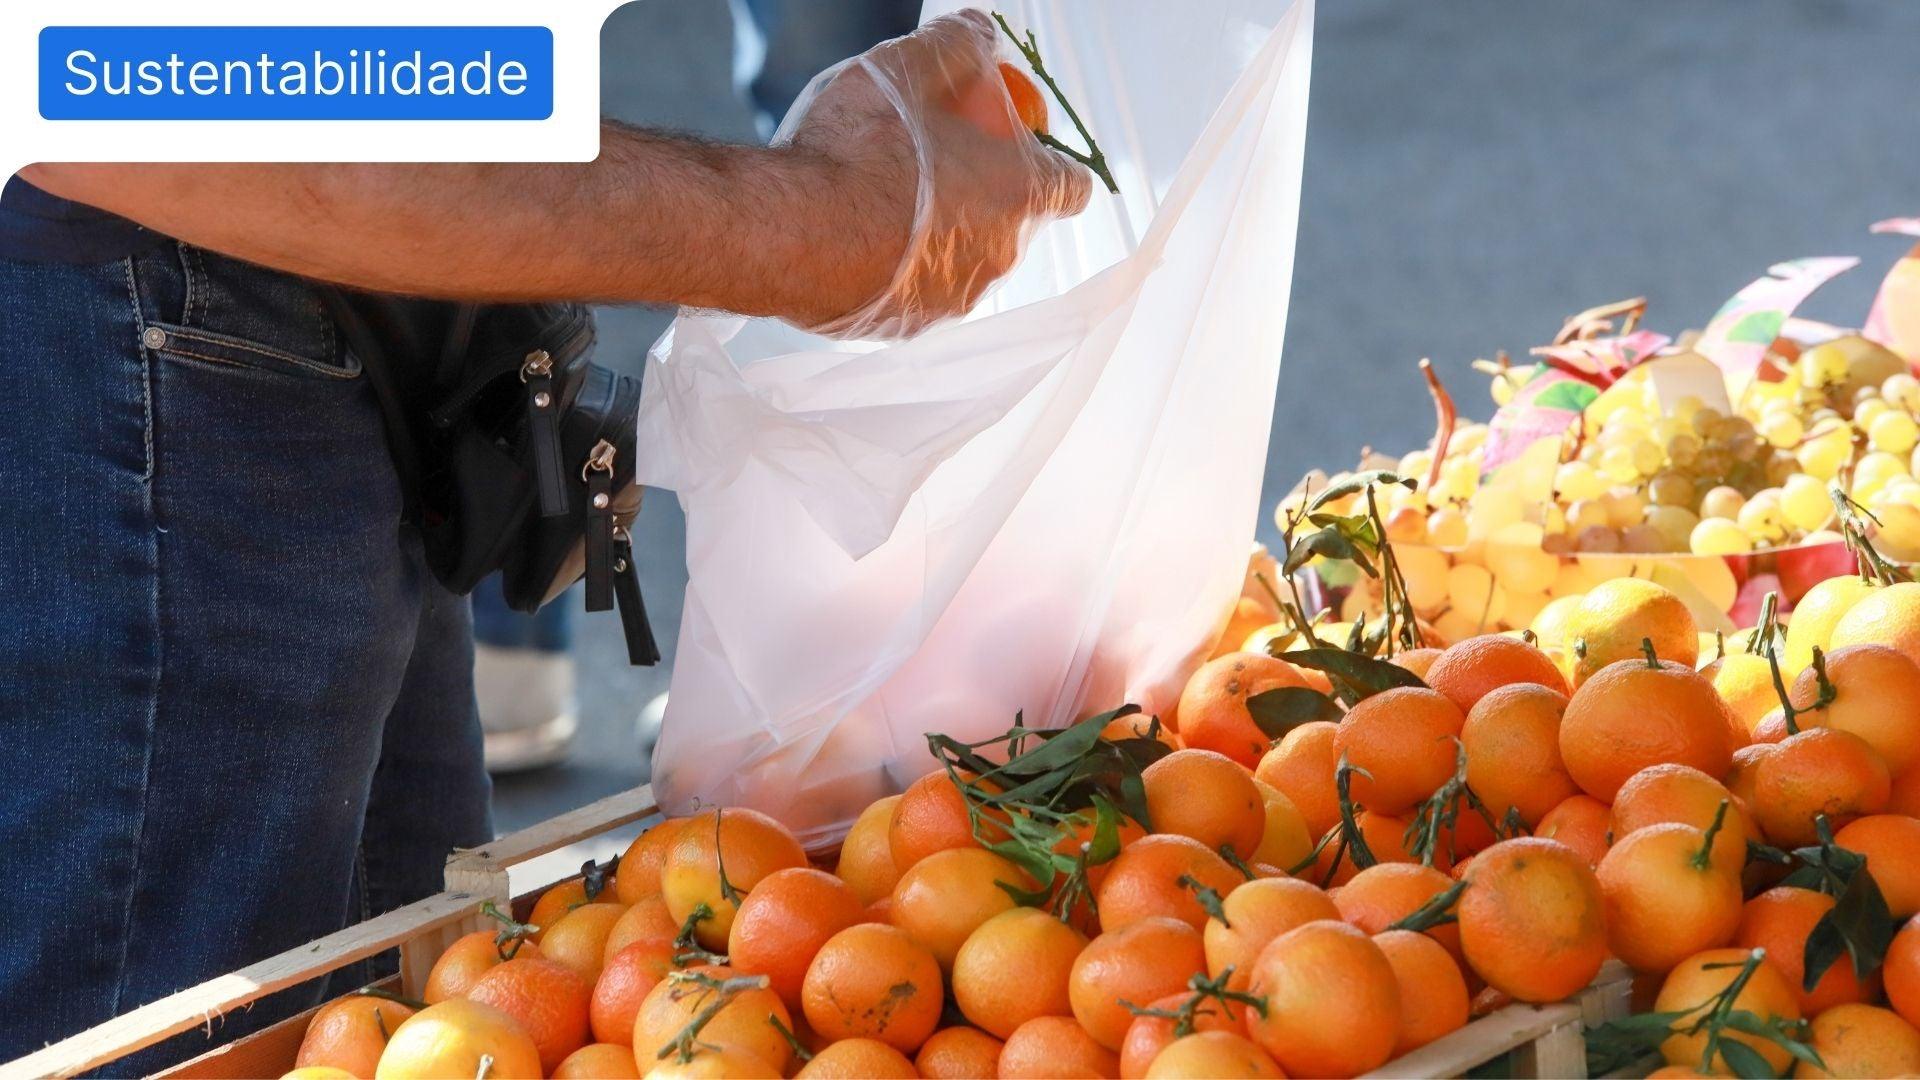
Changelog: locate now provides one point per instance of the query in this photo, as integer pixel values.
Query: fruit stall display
(1586, 741)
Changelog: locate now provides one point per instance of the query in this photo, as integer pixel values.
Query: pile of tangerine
(1491, 830)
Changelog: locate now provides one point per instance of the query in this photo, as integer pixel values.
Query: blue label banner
(296, 73)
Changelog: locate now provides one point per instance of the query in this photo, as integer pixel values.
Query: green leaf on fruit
(1276, 712)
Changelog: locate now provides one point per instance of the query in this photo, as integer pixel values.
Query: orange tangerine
(598, 1061)
(1668, 896)
(958, 1053)
(1633, 714)
(1205, 795)
(639, 874)
(784, 921)
(1433, 992)
(1702, 976)
(1876, 696)
(458, 1038)
(738, 1026)
(1148, 1035)
(1301, 767)
(1142, 961)
(1212, 1055)
(1213, 707)
(1333, 1001)
(1471, 669)
(1512, 739)
(945, 897)
(1532, 919)
(1016, 966)
(1256, 913)
(875, 982)
(1779, 921)
(866, 855)
(1145, 881)
(1405, 741)
(747, 844)
(1818, 771)
(1891, 843)
(858, 1059)
(1582, 823)
(1053, 1046)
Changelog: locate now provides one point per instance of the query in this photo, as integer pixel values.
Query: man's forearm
(655, 219)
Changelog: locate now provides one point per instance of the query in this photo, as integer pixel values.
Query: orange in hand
(1028, 103)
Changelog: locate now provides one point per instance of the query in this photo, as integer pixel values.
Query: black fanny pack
(515, 450)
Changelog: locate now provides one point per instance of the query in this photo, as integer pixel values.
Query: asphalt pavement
(1476, 171)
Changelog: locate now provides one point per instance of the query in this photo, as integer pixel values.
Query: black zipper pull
(598, 473)
(642, 650)
(543, 428)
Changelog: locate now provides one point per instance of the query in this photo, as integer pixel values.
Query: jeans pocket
(211, 347)
(204, 308)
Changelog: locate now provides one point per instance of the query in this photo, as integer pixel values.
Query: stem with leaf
(1093, 158)
(686, 1042)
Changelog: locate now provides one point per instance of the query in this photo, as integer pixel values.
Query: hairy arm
(656, 218)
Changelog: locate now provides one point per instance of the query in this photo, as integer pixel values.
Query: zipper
(450, 407)
(543, 428)
(598, 474)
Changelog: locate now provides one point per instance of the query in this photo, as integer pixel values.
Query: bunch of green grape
(1635, 477)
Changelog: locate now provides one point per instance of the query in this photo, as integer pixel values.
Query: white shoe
(527, 713)
(647, 726)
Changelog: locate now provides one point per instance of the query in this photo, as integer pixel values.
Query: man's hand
(903, 125)
(884, 212)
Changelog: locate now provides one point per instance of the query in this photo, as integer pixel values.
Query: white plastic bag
(1042, 509)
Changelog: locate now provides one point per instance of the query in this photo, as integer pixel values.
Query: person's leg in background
(212, 612)
(524, 673)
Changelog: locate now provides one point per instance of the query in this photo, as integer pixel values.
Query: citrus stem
(685, 1042)
(686, 949)
(1234, 860)
(1353, 839)
(727, 892)
(1874, 567)
(1703, 859)
(1437, 911)
(799, 1049)
(1769, 614)
(1093, 158)
(512, 933)
(1653, 658)
(387, 995)
(1787, 711)
(1208, 898)
(1827, 691)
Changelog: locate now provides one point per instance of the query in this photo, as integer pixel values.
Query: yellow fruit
(1616, 616)
(1815, 616)
(1890, 616)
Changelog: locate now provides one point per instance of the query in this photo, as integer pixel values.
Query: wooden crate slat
(555, 833)
(192, 1007)
(267, 1052)
(1481, 1041)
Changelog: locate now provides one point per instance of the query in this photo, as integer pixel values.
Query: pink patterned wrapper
(1894, 320)
(1608, 357)
(1542, 408)
(1737, 336)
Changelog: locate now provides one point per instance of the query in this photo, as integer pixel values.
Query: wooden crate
(1536, 1040)
(421, 931)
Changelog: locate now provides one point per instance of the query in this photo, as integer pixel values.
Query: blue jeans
(236, 711)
